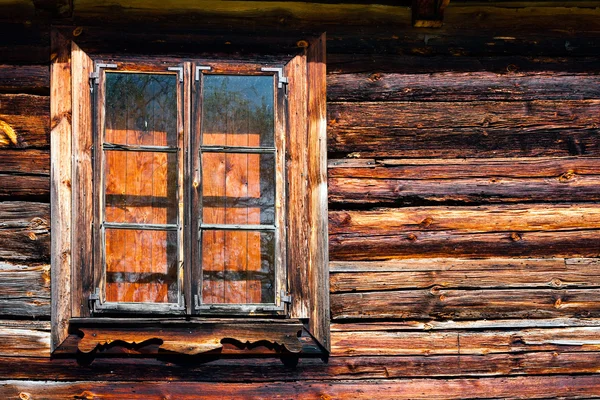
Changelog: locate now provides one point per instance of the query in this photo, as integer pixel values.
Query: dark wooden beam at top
(54, 8)
(428, 13)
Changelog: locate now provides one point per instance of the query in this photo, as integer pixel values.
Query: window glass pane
(141, 187)
(238, 110)
(238, 267)
(141, 266)
(238, 188)
(141, 109)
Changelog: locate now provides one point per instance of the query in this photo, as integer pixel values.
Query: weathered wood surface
(457, 304)
(574, 243)
(272, 370)
(25, 162)
(24, 290)
(33, 79)
(462, 86)
(563, 386)
(24, 339)
(483, 129)
(339, 63)
(377, 343)
(494, 218)
(14, 187)
(24, 42)
(61, 181)
(461, 273)
(24, 121)
(189, 341)
(24, 231)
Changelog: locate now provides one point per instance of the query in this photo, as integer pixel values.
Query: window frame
(305, 182)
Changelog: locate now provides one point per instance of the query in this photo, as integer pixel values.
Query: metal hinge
(95, 76)
(94, 300)
(179, 71)
(200, 68)
(285, 297)
(282, 80)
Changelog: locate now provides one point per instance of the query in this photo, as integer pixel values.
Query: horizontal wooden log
(368, 63)
(24, 231)
(493, 218)
(576, 243)
(459, 273)
(466, 304)
(563, 168)
(377, 343)
(451, 130)
(25, 162)
(25, 289)
(33, 79)
(563, 386)
(25, 42)
(24, 339)
(271, 370)
(24, 187)
(433, 325)
(356, 28)
(24, 121)
(462, 86)
(566, 187)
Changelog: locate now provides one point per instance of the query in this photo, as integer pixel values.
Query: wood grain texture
(463, 86)
(24, 290)
(24, 231)
(318, 244)
(563, 386)
(25, 162)
(463, 273)
(271, 369)
(33, 79)
(377, 343)
(24, 121)
(568, 243)
(24, 187)
(60, 178)
(450, 130)
(82, 208)
(296, 190)
(466, 304)
(24, 339)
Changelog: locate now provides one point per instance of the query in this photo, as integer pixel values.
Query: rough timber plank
(564, 386)
(25, 290)
(484, 129)
(463, 273)
(463, 86)
(272, 370)
(24, 121)
(24, 339)
(60, 177)
(34, 79)
(24, 231)
(394, 343)
(466, 304)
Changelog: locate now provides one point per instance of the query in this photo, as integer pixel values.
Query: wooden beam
(428, 13)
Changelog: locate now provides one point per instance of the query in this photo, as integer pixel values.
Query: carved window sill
(91, 338)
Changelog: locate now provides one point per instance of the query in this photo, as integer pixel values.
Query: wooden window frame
(304, 332)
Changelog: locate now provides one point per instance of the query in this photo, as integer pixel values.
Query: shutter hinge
(281, 80)
(95, 76)
(285, 297)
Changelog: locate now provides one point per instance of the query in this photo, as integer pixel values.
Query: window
(227, 172)
(188, 190)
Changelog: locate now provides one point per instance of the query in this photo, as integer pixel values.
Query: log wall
(464, 181)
